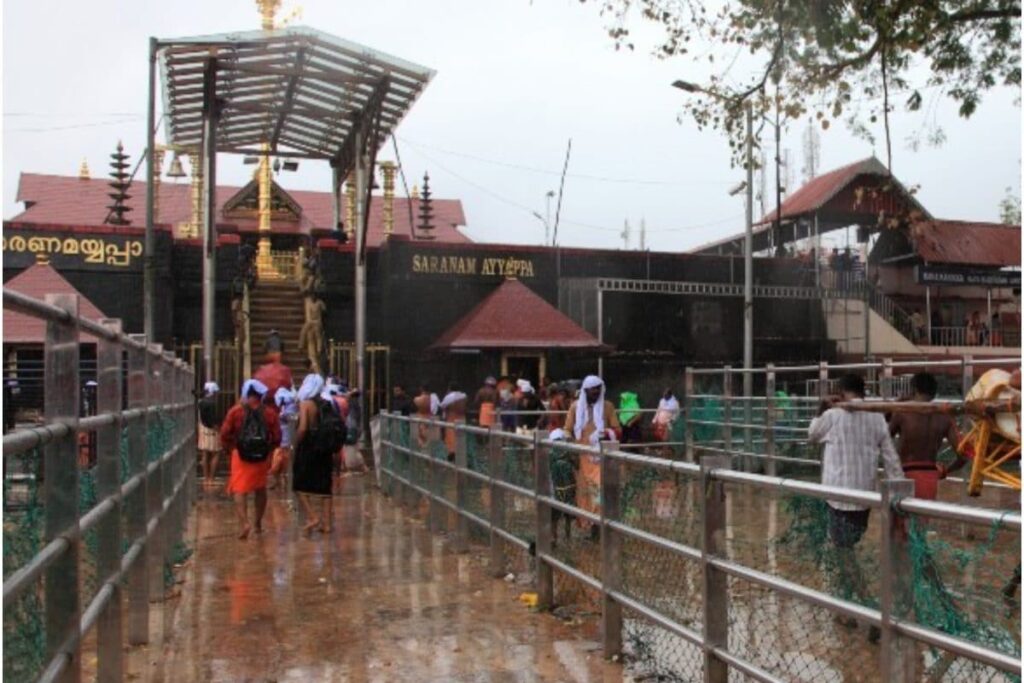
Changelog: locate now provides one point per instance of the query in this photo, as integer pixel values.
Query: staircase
(277, 305)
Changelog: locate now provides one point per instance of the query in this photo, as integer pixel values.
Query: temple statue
(311, 338)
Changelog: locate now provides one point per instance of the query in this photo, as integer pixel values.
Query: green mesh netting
(24, 520)
(964, 586)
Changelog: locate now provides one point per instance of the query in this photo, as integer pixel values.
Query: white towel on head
(259, 386)
(558, 435)
(525, 386)
(590, 382)
(435, 404)
(211, 388)
(311, 386)
(283, 395)
(450, 398)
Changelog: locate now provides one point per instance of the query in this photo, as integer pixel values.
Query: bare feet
(307, 530)
(245, 533)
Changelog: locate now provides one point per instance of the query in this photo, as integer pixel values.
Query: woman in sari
(311, 476)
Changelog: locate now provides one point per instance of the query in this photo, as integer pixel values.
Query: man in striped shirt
(854, 442)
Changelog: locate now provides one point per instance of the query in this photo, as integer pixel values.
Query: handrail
(147, 504)
(710, 474)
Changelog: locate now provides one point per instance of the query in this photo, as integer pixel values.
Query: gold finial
(42, 258)
(83, 170)
(387, 169)
(268, 8)
(415, 194)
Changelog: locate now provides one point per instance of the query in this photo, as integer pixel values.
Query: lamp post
(748, 243)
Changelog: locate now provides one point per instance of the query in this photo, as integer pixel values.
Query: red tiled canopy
(513, 317)
(967, 243)
(37, 281)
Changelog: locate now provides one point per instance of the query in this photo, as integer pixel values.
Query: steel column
(688, 389)
(109, 629)
(495, 467)
(611, 553)
(60, 484)
(544, 522)
(600, 330)
(149, 241)
(748, 285)
(156, 547)
(461, 493)
(896, 592)
(769, 419)
(360, 275)
(715, 582)
(135, 506)
(210, 119)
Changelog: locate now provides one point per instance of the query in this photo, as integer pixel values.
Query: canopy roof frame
(301, 91)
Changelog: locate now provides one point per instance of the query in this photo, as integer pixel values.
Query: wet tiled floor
(380, 599)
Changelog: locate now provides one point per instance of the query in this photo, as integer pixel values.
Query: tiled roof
(967, 243)
(37, 281)
(513, 317)
(818, 191)
(68, 200)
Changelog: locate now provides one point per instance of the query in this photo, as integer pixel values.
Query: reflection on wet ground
(378, 600)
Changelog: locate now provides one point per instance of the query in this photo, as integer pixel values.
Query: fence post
(135, 506)
(715, 583)
(409, 498)
(156, 548)
(769, 419)
(611, 552)
(896, 589)
(687, 415)
(461, 498)
(61, 384)
(433, 483)
(823, 380)
(386, 459)
(109, 627)
(966, 384)
(542, 487)
(495, 463)
(885, 385)
(727, 410)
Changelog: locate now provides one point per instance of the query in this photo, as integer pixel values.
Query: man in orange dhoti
(590, 420)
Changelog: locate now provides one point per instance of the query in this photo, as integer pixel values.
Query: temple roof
(967, 243)
(37, 281)
(67, 200)
(514, 317)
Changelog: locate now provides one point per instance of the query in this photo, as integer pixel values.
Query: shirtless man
(920, 440)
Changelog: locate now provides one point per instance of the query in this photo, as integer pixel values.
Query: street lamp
(748, 240)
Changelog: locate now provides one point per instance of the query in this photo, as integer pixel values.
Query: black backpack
(330, 432)
(208, 413)
(254, 440)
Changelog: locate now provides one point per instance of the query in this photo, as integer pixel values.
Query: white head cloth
(525, 386)
(311, 386)
(259, 386)
(589, 382)
(669, 404)
(211, 388)
(558, 435)
(330, 391)
(435, 404)
(284, 395)
(450, 398)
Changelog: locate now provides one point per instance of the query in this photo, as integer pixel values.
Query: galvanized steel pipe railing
(402, 466)
(140, 513)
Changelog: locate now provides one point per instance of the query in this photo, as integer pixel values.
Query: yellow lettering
(486, 270)
(416, 268)
(17, 243)
(135, 248)
(471, 266)
(433, 264)
(117, 257)
(93, 250)
(70, 247)
(444, 264)
(527, 268)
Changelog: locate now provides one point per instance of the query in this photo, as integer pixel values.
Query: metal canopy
(302, 91)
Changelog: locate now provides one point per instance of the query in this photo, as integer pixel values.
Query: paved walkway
(379, 600)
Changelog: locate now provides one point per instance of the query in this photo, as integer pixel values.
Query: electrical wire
(579, 224)
(545, 171)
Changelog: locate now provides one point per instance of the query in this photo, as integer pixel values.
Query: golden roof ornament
(83, 170)
(268, 8)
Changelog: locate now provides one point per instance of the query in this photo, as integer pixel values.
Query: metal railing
(139, 514)
(505, 488)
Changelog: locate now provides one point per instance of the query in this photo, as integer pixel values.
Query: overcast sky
(515, 80)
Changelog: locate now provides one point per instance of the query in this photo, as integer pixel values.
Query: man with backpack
(210, 419)
(320, 434)
(250, 433)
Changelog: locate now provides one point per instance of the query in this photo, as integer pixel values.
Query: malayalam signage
(946, 276)
(93, 250)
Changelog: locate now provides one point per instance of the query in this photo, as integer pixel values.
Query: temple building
(445, 309)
